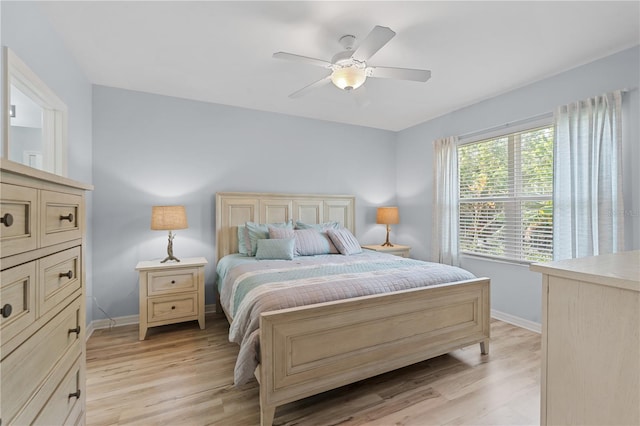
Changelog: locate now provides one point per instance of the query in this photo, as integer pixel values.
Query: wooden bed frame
(311, 349)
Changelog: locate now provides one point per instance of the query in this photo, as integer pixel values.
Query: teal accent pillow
(259, 231)
(278, 249)
(242, 243)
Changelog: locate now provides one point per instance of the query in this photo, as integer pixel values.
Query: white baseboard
(127, 320)
(517, 321)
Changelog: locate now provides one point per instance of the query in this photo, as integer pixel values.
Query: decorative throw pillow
(345, 241)
(242, 244)
(258, 231)
(279, 233)
(310, 242)
(318, 226)
(278, 249)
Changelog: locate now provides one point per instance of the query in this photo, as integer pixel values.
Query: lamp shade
(388, 216)
(168, 218)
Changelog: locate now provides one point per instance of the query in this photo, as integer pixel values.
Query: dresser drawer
(59, 276)
(65, 399)
(172, 307)
(18, 297)
(60, 217)
(175, 281)
(18, 210)
(27, 372)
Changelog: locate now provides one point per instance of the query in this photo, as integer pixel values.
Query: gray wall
(26, 31)
(515, 290)
(151, 150)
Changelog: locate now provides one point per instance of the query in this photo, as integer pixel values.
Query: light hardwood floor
(182, 375)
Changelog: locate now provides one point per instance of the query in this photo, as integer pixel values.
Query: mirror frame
(55, 114)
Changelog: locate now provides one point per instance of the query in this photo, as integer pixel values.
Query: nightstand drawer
(60, 220)
(174, 281)
(172, 307)
(59, 278)
(18, 297)
(19, 215)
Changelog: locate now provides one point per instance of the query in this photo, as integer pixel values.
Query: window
(506, 187)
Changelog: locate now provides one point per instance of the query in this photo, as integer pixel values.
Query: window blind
(506, 187)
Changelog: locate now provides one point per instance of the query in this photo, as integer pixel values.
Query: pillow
(317, 226)
(281, 249)
(279, 233)
(256, 231)
(242, 244)
(310, 242)
(344, 241)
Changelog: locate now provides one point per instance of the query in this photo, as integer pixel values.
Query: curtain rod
(506, 125)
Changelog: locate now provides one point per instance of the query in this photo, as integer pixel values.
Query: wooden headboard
(236, 208)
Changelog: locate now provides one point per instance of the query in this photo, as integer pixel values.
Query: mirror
(36, 130)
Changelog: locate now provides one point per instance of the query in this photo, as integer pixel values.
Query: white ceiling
(220, 52)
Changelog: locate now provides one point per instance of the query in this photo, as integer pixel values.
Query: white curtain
(444, 230)
(587, 194)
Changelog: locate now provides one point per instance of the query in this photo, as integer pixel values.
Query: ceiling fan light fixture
(348, 78)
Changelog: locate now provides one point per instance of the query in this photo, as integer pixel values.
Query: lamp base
(387, 243)
(170, 255)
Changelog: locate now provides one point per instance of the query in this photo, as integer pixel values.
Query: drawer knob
(7, 219)
(68, 217)
(68, 274)
(173, 281)
(76, 394)
(5, 311)
(75, 330)
(173, 307)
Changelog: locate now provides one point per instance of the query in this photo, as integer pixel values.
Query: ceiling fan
(349, 68)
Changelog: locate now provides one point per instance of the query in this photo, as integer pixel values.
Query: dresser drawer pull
(68, 217)
(74, 330)
(6, 310)
(7, 219)
(68, 274)
(76, 394)
(173, 281)
(173, 307)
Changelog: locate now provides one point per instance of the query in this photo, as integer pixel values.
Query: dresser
(591, 340)
(171, 292)
(396, 249)
(42, 297)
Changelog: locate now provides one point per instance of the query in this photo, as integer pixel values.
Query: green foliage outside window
(506, 184)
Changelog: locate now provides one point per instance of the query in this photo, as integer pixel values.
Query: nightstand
(171, 292)
(396, 250)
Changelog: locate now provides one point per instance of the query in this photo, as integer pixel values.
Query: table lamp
(169, 218)
(388, 216)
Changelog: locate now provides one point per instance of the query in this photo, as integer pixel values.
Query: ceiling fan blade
(399, 73)
(299, 58)
(310, 87)
(378, 37)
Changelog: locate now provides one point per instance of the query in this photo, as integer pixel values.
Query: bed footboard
(311, 349)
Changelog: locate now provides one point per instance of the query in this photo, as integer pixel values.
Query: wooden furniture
(396, 250)
(591, 340)
(311, 349)
(171, 292)
(42, 297)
